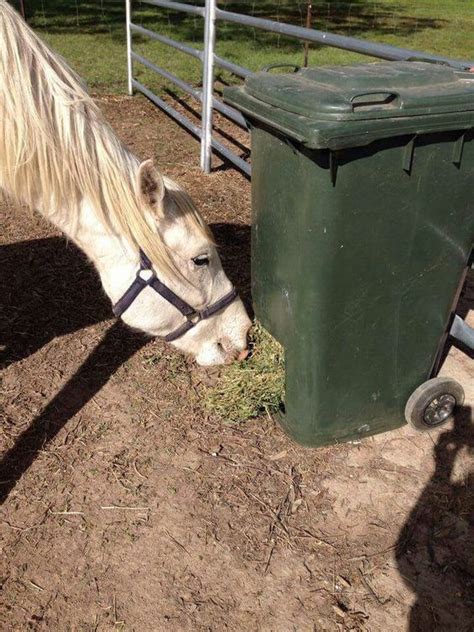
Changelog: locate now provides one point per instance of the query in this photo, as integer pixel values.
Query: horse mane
(57, 149)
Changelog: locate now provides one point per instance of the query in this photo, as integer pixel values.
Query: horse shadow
(49, 289)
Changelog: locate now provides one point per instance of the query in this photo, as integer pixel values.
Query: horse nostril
(225, 344)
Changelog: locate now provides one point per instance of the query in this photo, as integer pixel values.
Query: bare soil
(125, 507)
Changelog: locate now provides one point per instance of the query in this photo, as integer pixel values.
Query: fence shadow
(435, 548)
(50, 290)
(117, 346)
(219, 122)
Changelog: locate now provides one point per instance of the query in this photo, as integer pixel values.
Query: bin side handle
(381, 98)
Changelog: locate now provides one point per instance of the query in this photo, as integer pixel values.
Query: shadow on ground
(435, 549)
(51, 290)
(241, 150)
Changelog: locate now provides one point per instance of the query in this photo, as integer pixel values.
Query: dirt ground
(127, 508)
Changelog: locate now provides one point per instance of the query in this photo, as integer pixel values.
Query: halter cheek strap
(147, 277)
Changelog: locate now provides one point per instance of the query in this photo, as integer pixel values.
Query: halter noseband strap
(193, 316)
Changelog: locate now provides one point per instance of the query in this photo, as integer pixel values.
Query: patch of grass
(247, 389)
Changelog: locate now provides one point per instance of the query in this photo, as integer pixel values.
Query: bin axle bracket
(462, 332)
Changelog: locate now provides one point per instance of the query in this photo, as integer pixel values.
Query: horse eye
(202, 260)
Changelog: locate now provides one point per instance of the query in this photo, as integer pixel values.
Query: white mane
(56, 148)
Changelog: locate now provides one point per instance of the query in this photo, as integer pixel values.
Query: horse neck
(112, 256)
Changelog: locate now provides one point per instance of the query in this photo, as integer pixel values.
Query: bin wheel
(433, 403)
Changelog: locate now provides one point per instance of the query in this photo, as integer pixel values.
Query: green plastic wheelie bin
(362, 230)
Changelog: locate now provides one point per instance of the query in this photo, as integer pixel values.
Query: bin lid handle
(427, 60)
(382, 98)
(269, 67)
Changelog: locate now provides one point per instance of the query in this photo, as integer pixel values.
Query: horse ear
(151, 186)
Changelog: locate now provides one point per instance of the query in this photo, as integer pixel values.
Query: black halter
(193, 316)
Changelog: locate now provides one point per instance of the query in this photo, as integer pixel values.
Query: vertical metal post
(22, 9)
(208, 84)
(309, 16)
(128, 19)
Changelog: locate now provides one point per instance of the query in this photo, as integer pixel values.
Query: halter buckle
(194, 317)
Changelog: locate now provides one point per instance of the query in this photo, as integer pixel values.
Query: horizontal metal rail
(169, 109)
(212, 102)
(228, 111)
(194, 52)
(373, 49)
(235, 69)
(186, 87)
(231, 157)
(194, 129)
(176, 6)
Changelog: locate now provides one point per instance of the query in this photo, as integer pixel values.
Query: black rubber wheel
(434, 403)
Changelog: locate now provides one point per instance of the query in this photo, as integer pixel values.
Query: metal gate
(211, 14)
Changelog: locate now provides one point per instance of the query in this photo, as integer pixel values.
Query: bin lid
(322, 106)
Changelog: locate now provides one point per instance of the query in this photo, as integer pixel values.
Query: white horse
(152, 249)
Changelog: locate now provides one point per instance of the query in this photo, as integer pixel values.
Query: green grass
(248, 389)
(91, 35)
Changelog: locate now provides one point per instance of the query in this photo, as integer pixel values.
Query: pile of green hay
(247, 389)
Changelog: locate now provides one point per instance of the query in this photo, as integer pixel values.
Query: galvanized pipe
(186, 87)
(383, 51)
(194, 52)
(176, 6)
(128, 20)
(231, 157)
(169, 109)
(227, 110)
(462, 332)
(208, 84)
(22, 9)
(235, 69)
(230, 112)
(194, 129)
